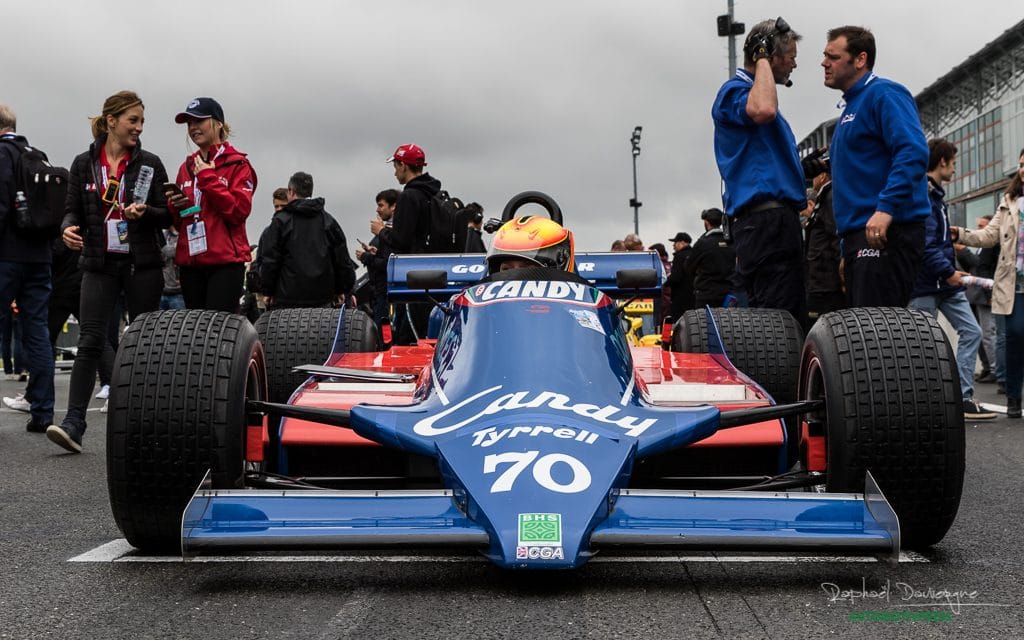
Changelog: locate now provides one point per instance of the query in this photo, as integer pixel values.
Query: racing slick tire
(306, 336)
(889, 380)
(178, 397)
(762, 343)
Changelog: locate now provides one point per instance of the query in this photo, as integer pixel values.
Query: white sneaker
(104, 392)
(18, 403)
(103, 409)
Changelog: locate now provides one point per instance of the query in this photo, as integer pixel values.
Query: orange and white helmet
(540, 240)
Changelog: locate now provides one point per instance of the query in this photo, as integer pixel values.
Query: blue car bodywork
(534, 417)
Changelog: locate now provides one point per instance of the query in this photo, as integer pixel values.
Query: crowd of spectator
(862, 223)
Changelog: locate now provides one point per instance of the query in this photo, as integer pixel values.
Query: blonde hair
(7, 118)
(225, 132)
(114, 106)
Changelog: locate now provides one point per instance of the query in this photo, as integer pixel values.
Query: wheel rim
(253, 391)
(813, 388)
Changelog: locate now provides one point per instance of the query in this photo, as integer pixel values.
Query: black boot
(1013, 407)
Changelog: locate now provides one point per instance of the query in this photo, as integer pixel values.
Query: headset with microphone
(762, 45)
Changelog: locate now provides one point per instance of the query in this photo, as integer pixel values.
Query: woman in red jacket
(210, 204)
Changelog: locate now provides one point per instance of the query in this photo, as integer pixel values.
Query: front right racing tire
(893, 406)
(177, 408)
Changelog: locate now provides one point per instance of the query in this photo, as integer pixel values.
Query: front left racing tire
(762, 343)
(893, 406)
(300, 336)
(178, 397)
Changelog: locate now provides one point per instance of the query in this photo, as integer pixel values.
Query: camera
(492, 225)
(816, 163)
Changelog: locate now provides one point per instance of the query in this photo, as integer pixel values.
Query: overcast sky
(503, 96)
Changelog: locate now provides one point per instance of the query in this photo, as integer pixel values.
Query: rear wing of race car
(465, 269)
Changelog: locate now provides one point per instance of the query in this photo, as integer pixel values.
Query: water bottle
(975, 281)
(21, 219)
(142, 184)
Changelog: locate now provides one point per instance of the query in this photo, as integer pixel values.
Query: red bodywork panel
(654, 368)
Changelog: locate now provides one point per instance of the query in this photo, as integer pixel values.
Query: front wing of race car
(260, 520)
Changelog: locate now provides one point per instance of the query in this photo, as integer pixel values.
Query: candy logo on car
(533, 289)
(521, 400)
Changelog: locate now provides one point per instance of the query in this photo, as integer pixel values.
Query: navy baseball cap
(201, 108)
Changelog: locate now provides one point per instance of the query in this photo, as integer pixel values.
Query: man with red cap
(409, 229)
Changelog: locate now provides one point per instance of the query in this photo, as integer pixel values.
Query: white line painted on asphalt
(120, 551)
(109, 552)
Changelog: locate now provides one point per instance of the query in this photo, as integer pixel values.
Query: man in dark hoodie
(25, 277)
(938, 287)
(303, 254)
(409, 230)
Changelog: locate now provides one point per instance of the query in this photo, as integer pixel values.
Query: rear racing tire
(300, 336)
(889, 380)
(762, 343)
(178, 397)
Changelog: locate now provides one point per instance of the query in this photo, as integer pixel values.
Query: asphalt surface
(53, 507)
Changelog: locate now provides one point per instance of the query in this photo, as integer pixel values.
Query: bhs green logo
(540, 529)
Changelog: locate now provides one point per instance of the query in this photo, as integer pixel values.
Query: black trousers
(100, 291)
(770, 259)
(218, 288)
(64, 306)
(411, 322)
(883, 277)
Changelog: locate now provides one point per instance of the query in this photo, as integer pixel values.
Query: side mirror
(636, 278)
(427, 279)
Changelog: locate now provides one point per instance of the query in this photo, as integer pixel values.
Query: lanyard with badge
(196, 232)
(117, 228)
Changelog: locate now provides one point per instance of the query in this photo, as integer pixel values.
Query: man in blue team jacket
(879, 157)
(755, 150)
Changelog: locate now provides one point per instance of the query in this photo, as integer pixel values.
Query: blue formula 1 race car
(527, 428)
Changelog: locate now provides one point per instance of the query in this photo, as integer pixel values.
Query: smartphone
(366, 247)
(172, 189)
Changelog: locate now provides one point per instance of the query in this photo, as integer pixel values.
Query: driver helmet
(536, 239)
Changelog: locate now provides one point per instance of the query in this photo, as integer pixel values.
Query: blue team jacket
(757, 162)
(879, 156)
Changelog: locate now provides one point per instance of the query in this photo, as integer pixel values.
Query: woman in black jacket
(116, 219)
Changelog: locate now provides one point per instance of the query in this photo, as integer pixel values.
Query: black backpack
(444, 235)
(45, 188)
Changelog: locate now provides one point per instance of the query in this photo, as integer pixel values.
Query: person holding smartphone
(209, 206)
(115, 215)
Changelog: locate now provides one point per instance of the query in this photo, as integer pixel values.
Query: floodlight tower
(633, 202)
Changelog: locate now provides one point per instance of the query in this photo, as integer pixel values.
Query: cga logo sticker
(540, 529)
(539, 553)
